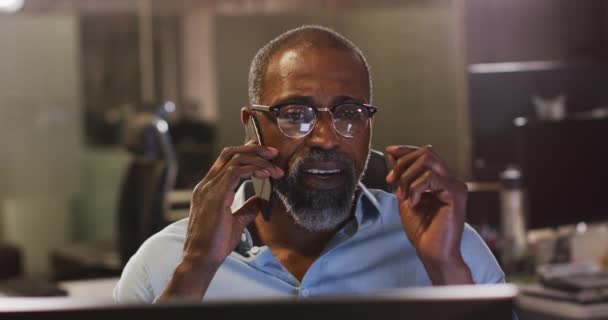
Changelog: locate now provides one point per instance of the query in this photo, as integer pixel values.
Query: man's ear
(245, 115)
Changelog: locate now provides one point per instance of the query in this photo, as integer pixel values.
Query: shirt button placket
(305, 293)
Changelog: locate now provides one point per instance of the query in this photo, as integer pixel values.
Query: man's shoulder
(166, 243)
(480, 259)
(147, 271)
(171, 235)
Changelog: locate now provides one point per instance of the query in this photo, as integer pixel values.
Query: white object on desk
(590, 244)
(81, 294)
(100, 289)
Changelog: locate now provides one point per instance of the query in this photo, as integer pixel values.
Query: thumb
(245, 215)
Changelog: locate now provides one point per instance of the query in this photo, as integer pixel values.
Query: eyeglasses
(298, 120)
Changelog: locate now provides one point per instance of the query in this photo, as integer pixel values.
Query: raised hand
(432, 206)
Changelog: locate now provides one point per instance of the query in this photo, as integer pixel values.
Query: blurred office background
(84, 84)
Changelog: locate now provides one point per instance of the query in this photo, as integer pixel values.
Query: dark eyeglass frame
(371, 110)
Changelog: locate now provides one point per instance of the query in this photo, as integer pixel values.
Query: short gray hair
(302, 36)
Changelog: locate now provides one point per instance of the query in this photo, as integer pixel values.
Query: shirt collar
(367, 210)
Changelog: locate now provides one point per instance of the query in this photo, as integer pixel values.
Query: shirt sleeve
(150, 268)
(134, 284)
(480, 260)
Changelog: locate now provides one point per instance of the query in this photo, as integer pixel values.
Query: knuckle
(425, 157)
(231, 170)
(226, 151)
(199, 191)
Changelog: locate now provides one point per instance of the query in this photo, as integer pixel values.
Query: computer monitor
(456, 302)
(565, 170)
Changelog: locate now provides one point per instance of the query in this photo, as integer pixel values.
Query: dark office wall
(498, 98)
(415, 52)
(524, 30)
(572, 33)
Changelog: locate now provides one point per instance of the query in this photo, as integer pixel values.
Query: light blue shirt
(369, 254)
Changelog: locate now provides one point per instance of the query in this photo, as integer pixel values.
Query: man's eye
(350, 113)
(295, 113)
(294, 116)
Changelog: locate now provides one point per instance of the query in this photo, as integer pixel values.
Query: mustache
(316, 155)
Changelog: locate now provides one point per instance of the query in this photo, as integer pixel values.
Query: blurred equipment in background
(565, 168)
(193, 139)
(512, 218)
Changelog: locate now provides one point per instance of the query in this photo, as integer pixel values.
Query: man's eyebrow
(342, 99)
(309, 100)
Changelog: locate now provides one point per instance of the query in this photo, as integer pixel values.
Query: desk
(539, 308)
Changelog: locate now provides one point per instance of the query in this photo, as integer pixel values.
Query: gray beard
(319, 210)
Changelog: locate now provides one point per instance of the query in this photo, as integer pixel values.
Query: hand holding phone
(264, 188)
(215, 228)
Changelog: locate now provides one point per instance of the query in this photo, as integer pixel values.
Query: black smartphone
(264, 188)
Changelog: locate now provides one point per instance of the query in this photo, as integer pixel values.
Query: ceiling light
(11, 6)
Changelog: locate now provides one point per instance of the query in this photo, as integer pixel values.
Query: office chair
(142, 204)
(376, 172)
(149, 178)
(10, 261)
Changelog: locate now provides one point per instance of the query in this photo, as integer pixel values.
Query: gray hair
(300, 37)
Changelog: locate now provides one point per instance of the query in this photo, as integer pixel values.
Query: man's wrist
(189, 280)
(449, 271)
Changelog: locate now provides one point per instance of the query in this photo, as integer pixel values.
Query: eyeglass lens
(298, 120)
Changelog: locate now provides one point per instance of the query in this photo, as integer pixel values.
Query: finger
(246, 159)
(438, 164)
(433, 161)
(228, 152)
(233, 174)
(400, 150)
(429, 181)
(410, 175)
(391, 159)
(402, 163)
(246, 214)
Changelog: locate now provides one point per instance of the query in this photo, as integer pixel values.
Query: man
(310, 90)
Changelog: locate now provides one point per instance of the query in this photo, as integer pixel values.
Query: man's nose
(324, 134)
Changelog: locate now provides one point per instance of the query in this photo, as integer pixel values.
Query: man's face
(322, 167)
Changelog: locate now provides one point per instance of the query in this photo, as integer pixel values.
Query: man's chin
(317, 210)
(318, 220)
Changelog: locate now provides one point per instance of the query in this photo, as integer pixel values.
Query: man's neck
(293, 246)
(283, 233)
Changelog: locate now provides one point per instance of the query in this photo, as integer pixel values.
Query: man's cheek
(287, 157)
